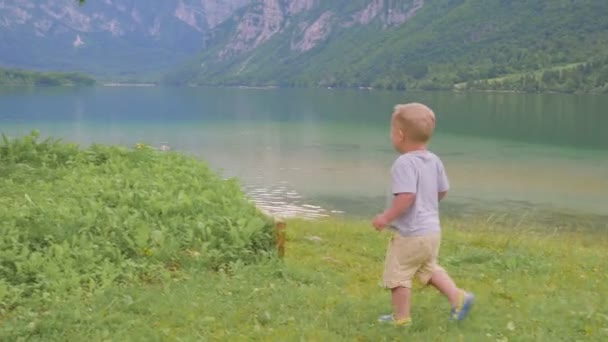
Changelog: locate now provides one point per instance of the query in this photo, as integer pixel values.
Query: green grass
(118, 244)
(76, 222)
(530, 287)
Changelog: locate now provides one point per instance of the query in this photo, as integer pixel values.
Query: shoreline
(100, 245)
(455, 89)
(118, 84)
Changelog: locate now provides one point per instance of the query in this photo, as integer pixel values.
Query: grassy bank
(530, 288)
(115, 244)
(76, 222)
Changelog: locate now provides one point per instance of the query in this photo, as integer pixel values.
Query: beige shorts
(409, 257)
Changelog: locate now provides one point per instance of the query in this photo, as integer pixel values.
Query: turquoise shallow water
(322, 152)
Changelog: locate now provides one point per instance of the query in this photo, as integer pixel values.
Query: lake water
(327, 152)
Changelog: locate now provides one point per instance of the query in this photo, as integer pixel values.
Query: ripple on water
(285, 203)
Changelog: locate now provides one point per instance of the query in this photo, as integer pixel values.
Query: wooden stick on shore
(280, 230)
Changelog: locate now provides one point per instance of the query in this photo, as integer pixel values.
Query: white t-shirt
(420, 173)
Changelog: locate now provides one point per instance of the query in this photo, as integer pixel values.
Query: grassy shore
(530, 287)
(118, 244)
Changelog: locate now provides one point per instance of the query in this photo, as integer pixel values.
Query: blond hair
(416, 120)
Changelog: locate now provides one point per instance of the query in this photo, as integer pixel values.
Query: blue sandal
(466, 302)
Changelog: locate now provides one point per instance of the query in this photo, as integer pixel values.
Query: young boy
(419, 182)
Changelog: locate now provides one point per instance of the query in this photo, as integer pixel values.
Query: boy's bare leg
(442, 282)
(401, 302)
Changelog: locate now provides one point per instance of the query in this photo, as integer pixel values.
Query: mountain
(429, 44)
(107, 36)
(532, 45)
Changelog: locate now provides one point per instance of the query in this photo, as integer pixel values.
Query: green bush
(76, 220)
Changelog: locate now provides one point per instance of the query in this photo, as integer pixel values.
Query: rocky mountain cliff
(310, 22)
(102, 35)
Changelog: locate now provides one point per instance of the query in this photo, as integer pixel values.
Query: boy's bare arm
(401, 203)
(442, 195)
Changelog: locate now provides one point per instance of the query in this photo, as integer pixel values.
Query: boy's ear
(401, 134)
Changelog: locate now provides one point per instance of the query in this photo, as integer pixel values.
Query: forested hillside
(433, 44)
(21, 77)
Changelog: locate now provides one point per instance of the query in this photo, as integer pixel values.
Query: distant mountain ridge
(117, 36)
